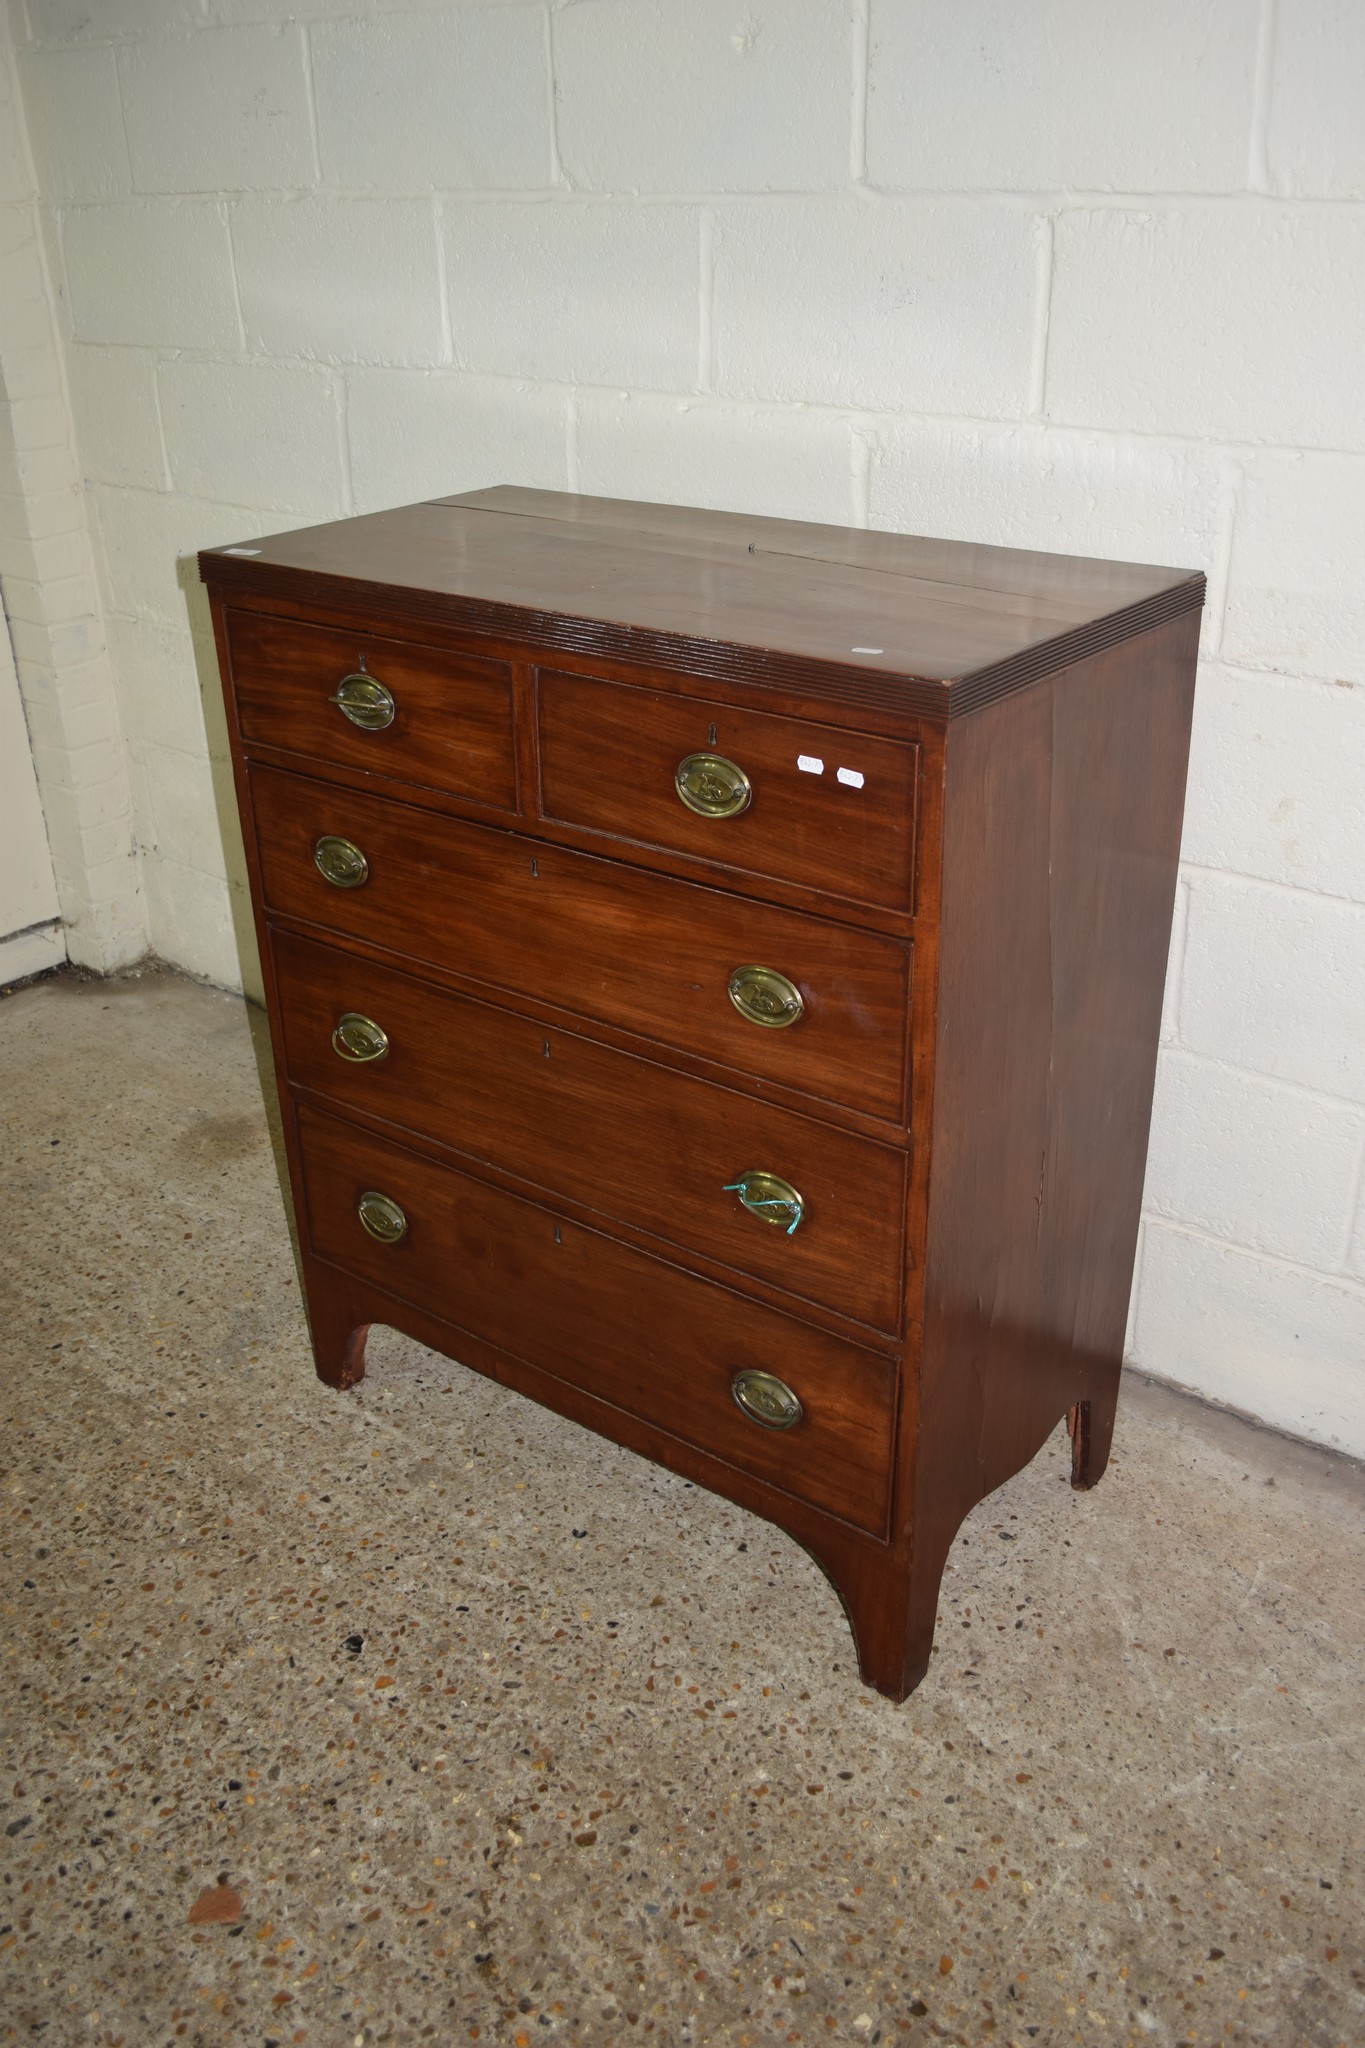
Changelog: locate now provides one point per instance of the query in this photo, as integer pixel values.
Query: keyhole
(558, 1238)
(360, 665)
(547, 1048)
(710, 735)
(535, 867)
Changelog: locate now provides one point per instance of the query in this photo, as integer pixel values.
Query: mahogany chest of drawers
(715, 969)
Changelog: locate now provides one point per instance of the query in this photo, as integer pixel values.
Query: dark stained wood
(1063, 811)
(998, 1072)
(608, 757)
(452, 727)
(597, 938)
(640, 1334)
(948, 628)
(642, 1145)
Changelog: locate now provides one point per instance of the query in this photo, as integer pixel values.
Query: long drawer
(639, 1142)
(422, 715)
(830, 809)
(658, 1343)
(645, 953)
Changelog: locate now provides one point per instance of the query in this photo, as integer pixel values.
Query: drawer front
(821, 807)
(642, 952)
(656, 1342)
(637, 1142)
(450, 723)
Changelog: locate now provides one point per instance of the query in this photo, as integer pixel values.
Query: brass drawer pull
(340, 862)
(765, 997)
(766, 1400)
(382, 1217)
(712, 786)
(365, 701)
(360, 1038)
(769, 1197)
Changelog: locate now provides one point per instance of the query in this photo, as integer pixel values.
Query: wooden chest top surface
(889, 620)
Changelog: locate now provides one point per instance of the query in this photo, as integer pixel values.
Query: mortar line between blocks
(1354, 1207)
(706, 279)
(1044, 243)
(556, 161)
(857, 132)
(236, 287)
(438, 228)
(1258, 137)
(571, 440)
(1348, 1282)
(310, 98)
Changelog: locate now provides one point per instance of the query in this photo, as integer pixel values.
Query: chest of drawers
(715, 969)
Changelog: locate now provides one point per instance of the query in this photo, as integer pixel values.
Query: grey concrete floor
(480, 1729)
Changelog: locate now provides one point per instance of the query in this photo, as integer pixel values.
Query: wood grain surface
(636, 1332)
(652, 955)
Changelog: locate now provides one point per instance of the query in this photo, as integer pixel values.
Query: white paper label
(810, 764)
(852, 776)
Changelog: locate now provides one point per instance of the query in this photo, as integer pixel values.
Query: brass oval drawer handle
(766, 1400)
(365, 701)
(769, 1197)
(360, 1038)
(766, 997)
(382, 1217)
(712, 786)
(340, 862)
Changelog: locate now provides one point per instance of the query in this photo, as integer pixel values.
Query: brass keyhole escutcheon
(382, 1217)
(360, 1039)
(766, 1400)
(766, 997)
(770, 1198)
(712, 786)
(340, 862)
(365, 701)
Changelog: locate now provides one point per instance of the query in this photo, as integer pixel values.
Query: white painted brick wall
(1069, 275)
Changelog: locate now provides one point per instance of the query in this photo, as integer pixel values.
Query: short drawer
(422, 715)
(812, 804)
(647, 954)
(638, 1142)
(658, 1343)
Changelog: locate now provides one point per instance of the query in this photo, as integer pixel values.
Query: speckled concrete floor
(477, 1728)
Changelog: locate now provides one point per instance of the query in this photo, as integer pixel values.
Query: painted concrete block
(1277, 780)
(653, 97)
(75, 123)
(150, 540)
(339, 280)
(924, 305)
(1060, 93)
(1240, 322)
(593, 294)
(1296, 597)
(1253, 1161)
(1284, 1344)
(64, 21)
(254, 434)
(1275, 981)
(190, 921)
(158, 684)
(735, 458)
(183, 823)
(434, 102)
(1124, 499)
(153, 272)
(218, 112)
(113, 405)
(1315, 145)
(428, 434)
